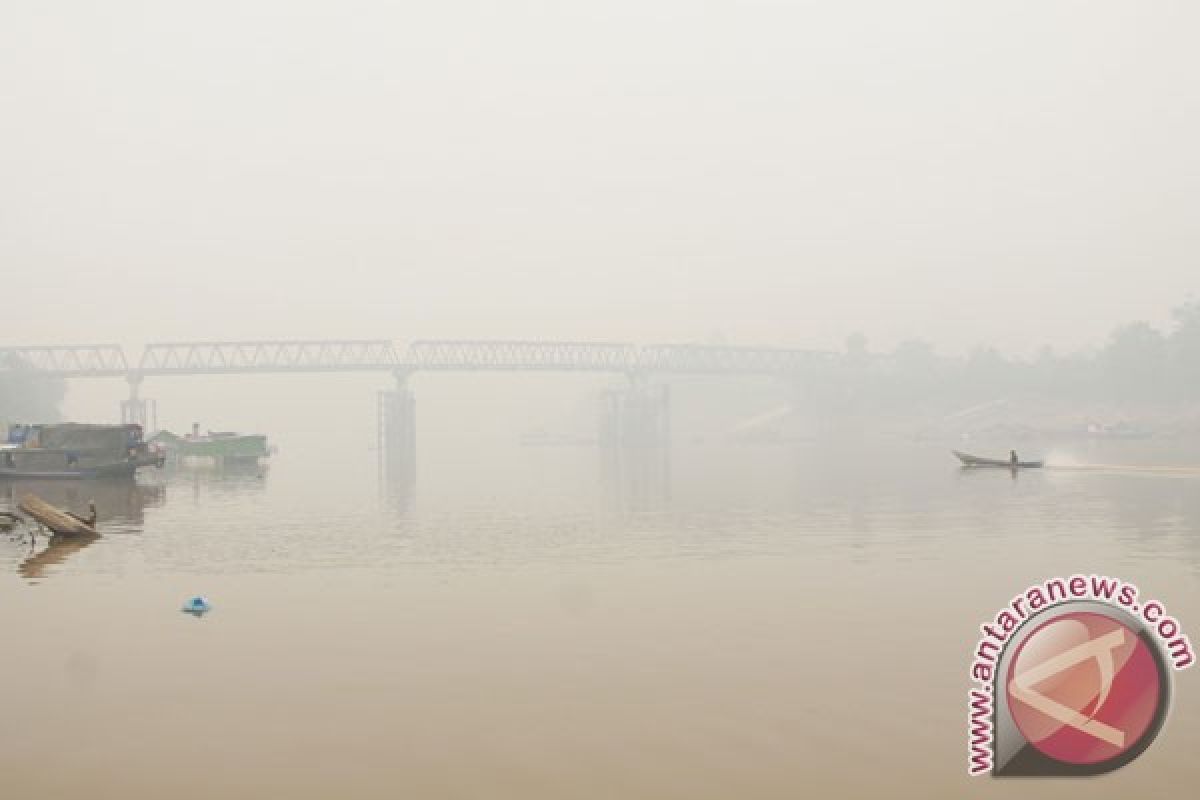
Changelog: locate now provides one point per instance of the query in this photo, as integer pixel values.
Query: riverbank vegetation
(26, 396)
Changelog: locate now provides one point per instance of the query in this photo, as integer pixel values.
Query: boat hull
(115, 469)
(123, 470)
(217, 447)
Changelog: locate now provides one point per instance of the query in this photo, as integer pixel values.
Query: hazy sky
(772, 172)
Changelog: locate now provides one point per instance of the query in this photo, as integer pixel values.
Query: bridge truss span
(67, 361)
(466, 355)
(214, 358)
(428, 355)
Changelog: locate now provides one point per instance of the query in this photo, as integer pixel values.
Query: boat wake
(1063, 463)
(1152, 469)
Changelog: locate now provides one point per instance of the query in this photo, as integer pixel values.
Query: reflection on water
(119, 502)
(552, 622)
(637, 477)
(57, 549)
(397, 485)
(547, 505)
(120, 508)
(217, 479)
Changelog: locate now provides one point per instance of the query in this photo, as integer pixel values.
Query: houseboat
(72, 450)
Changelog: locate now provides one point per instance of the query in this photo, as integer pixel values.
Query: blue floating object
(197, 605)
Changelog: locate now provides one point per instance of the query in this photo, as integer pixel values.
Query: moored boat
(224, 447)
(969, 460)
(74, 451)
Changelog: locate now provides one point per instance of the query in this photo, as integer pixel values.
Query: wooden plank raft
(60, 522)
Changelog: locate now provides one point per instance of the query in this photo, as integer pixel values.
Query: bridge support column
(635, 433)
(138, 410)
(397, 435)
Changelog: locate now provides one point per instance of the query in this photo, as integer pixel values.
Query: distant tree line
(1137, 363)
(26, 396)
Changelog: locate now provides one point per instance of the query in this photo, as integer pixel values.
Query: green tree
(26, 396)
(1183, 348)
(1135, 362)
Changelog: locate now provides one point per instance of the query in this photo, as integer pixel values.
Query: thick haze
(773, 173)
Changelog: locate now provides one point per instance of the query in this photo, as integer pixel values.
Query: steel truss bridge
(382, 355)
(636, 417)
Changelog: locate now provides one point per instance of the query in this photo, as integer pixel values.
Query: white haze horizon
(759, 173)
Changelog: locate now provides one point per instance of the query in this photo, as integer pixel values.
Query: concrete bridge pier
(635, 435)
(137, 410)
(397, 435)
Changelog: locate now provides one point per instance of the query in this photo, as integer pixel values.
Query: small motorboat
(969, 460)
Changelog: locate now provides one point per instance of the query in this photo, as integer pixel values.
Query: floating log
(60, 522)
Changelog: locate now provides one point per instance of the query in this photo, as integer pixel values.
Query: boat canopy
(81, 437)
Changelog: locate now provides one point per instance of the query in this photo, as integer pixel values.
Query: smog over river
(561, 400)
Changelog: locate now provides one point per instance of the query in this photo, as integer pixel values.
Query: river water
(540, 622)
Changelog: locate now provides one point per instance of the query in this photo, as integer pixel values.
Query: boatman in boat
(1012, 458)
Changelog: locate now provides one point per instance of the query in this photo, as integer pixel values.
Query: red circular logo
(1084, 688)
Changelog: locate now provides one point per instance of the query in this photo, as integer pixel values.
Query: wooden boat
(969, 460)
(62, 523)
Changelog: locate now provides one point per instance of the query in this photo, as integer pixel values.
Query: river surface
(539, 622)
